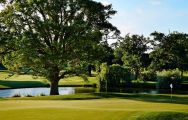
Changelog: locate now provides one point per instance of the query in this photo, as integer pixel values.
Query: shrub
(28, 95)
(148, 76)
(16, 95)
(165, 78)
(85, 90)
(114, 76)
(42, 94)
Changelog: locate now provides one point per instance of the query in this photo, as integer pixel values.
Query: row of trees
(156, 53)
(59, 37)
(161, 58)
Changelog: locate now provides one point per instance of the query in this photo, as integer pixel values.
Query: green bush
(114, 76)
(16, 95)
(148, 76)
(165, 78)
(85, 90)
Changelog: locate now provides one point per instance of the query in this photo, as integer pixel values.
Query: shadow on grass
(22, 84)
(146, 97)
(129, 96)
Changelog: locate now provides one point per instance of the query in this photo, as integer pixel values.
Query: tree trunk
(181, 76)
(136, 74)
(89, 70)
(54, 87)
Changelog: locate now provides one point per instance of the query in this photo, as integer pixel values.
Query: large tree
(134, 49)
(170, 51)
(53, 36)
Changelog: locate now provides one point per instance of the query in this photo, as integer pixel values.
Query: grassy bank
(98, 106)
(23, 81)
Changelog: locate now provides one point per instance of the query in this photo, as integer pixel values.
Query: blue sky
(146, 16)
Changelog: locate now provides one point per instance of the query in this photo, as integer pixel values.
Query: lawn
(20, 81)
(87, 107)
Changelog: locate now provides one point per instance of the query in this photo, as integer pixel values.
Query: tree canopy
(133, 49)
(50, 36)
(170, 51)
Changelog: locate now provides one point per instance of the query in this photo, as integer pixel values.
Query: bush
(114, 76)
(42, 94)
(16, 95)
(165, 78)
(85, 90)
(148, 76)
(28, 95)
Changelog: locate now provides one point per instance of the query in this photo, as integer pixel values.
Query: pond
(34, 91)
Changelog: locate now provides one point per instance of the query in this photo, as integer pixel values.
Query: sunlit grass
(98, 107)
(18, 81)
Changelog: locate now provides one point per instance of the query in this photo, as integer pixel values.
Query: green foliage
(113, 76)
(103, 75)
(16, 95)
(148, 76)
(170, 51)
(133, 49)
(47, 36)
(85, 90)
(28, 95)
(167, 77)
(118, 75)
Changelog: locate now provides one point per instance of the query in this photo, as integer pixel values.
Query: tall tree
(52, 36)
(134, 48)
(170, 51)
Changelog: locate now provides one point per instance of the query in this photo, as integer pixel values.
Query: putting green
(100, 109)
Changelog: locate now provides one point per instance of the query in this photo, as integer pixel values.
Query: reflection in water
(34, 91)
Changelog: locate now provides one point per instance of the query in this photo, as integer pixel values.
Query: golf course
(96, 107)
(93, 60)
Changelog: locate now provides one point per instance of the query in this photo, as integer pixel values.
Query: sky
(146, 16)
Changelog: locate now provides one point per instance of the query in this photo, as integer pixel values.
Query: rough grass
(109, 107)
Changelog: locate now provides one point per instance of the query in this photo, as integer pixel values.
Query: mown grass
(23, 81)
(163, 116)
(83, 96)
(100, 106)
(158, 98)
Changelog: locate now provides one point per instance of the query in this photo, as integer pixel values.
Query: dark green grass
(176, 99)
(160, 98)
(21, 84)
(83, 96)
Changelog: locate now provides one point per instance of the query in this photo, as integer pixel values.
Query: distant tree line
(145, 56)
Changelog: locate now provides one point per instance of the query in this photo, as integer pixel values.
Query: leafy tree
(53, 37)
(118, 54)
(113, 76)
(108, 53)
(134, 48)
(170, 51)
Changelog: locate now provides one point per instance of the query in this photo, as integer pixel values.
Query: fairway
(100, 109)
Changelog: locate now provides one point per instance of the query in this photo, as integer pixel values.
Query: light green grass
(129, 107)
(19, 81)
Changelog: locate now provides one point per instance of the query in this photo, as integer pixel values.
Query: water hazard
(34, 91)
